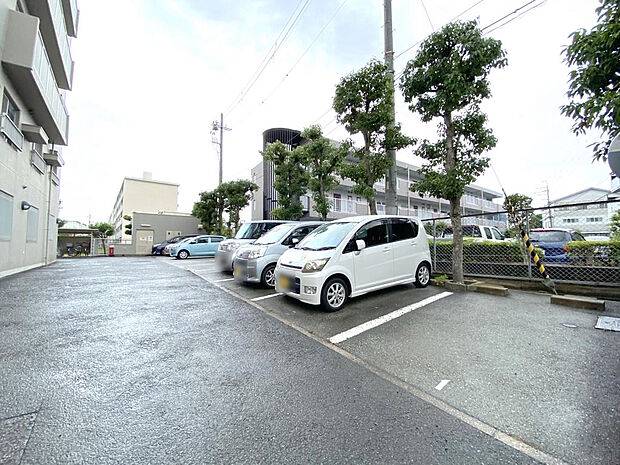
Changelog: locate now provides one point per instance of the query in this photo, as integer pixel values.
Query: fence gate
(144, 241)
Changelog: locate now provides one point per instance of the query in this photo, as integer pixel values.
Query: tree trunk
(322, 195)
(455, 205)
(372, 203)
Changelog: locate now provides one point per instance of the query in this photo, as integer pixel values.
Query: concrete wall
(21, 181)
(161, 223)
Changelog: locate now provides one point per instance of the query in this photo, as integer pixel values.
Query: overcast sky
(151, 76)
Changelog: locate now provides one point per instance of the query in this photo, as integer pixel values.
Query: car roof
(365, 218)
(553, 229)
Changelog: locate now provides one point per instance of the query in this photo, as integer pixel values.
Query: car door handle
(413, 242)
(386, 249)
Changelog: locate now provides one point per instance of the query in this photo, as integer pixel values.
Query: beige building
(142, 195)
(36, 73)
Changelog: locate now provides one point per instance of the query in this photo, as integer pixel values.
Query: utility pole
(390, 175)
(219, 125)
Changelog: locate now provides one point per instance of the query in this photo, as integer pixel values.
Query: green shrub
(485, 252)
(601, 253)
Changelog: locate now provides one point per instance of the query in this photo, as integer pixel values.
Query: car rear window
(549, 236)
(468, 231)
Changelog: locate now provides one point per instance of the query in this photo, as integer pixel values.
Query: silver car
(256, 263)
(247, 234)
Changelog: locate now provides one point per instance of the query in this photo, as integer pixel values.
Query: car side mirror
(294, 242)
(360, 244)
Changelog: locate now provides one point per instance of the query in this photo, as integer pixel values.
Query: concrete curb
(575, 301)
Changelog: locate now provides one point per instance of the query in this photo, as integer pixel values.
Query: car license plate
(284, 282)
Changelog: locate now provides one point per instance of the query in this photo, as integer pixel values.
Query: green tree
(128, 226)
(363, 103)
(522, 202)
(614, 226)
(208, 210)
(103, 230)
(439, 227)
(291, 180)
(237, 196)
(322, 161)
(448, 79)
(594, 80)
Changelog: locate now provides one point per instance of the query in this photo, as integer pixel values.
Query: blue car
(158, 249)
(199, 246)
(553, 242)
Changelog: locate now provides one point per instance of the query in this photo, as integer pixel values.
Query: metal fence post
(434, 247)
(529, 257)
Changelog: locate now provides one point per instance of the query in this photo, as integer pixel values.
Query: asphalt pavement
(130, 360)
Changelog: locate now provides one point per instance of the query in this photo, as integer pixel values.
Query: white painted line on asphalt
(256, 299)
(442, 385)
(338, 338)
(224, 280)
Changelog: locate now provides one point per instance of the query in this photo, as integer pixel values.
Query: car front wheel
(268, 279)
(334, 294)
(422, 275)
(183, 254)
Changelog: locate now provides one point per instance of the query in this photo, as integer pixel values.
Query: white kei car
(352, 256)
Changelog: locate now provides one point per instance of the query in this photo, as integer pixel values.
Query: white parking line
(224, 280)
(338, 338)
(256, 299)
(442, 385)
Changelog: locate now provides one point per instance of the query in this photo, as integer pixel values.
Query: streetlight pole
(390, 177)
(219, 125)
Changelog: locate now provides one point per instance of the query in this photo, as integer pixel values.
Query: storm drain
(608, 323)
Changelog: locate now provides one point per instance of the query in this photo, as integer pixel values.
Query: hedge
(485, 252)
(603, 253)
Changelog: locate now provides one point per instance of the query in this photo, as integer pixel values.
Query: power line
(427, 15)
(453, 19)
(516, 17)
(288, 73)
(288, 27)
(507, 15)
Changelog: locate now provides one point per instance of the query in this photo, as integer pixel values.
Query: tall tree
(291, 180)
(208, 210)
(523, 202)
(363, 103)
(103, 230)
(322, 161)
(237, 195)
(448, 79)
(594, 80)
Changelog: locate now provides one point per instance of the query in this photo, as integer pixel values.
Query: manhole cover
(608, 323)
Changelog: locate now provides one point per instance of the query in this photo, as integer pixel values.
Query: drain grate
(608, 323)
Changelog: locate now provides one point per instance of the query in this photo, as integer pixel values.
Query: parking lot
(516, 366)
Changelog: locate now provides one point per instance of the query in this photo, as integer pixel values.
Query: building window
(19, 7)
(10, 108)
(6, 216)
(32, 224)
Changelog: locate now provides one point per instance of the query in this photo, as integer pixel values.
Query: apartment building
(141, 195)
(477, 199)
(591, 219)
(36, 73)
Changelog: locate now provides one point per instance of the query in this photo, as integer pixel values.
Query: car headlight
(315, 265)
(257, 253)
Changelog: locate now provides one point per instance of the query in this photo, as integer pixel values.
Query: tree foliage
(104, 229)
(363, 103)
(448, 79)
(322, 160)
(522, 202)
(230, 197)
(594, 80)
(291, 180)
(128, 226)
(614, 225)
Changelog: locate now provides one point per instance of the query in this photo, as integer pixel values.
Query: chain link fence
(577, 243)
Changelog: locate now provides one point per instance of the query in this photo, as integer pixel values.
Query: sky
(152, 75)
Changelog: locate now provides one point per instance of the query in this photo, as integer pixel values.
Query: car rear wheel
(183, 254)
(422, 275)
(268, 279)
(334, 294)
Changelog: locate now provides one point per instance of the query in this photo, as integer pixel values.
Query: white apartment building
(591, 219)
(36, 73)
(344, 203)
(141, 195)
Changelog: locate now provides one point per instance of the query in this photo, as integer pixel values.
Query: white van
(352, 256)
(479, 233)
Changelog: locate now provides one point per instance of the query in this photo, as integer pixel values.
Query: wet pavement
(131, 360)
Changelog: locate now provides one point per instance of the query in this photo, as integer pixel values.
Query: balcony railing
(11, 132)
(47, 82)
(36, 158)
(342, 206)
(71, 16)
(58, 19)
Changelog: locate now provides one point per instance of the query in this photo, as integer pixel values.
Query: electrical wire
(288, 27)
(507, 15)
(516, 17)
(427, 15)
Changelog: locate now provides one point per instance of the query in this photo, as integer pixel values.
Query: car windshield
(549, 236)
(274, 235)
(247, 230)
(468, 231)
(326, 237)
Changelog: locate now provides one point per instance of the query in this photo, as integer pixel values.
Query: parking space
(536, 371)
